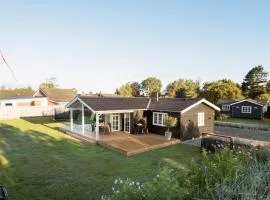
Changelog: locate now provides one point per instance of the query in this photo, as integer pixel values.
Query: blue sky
(98, 45)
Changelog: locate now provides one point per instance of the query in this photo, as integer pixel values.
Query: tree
(125, 90)
(183, 88)
(264, 97)
(129, 89)
(135, 86)
(268, 87)
(221, 89)
(49, 83)
(152, 85)
(254, 83)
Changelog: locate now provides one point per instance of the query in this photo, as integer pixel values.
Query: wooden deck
(126, 143)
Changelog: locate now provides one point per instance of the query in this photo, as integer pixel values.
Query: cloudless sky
(98, 45)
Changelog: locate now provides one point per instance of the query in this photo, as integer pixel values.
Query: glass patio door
(127, 122)
(115, 122)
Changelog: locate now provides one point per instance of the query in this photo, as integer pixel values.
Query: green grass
(39, 162)
(248, 121)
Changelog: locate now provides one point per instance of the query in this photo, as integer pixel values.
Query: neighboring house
(122, 113)
(56, 96)
(247, 108)
(24, 101)
(22, 98)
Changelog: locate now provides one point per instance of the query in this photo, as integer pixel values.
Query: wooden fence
(14, 112)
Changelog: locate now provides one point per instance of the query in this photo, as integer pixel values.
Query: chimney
(157, 96)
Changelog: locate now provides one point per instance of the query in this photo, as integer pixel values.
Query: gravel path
(243, 133)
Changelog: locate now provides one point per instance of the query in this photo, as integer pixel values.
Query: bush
(213, 144)
(206, 176)
(163, 186)
(252, 181)
(191, 131)
(227, 174)
(221, 117)
(171, 122)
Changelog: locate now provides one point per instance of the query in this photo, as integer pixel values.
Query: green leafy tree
(152, 85)
(254, 83)
(268, 87)
(183, 88)
(171, 122)
(129, 89)
(135, 86)
(221, 89)
(49, 83)
(125, 90)
(264, 97)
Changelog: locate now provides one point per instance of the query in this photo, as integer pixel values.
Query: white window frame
(226, 107)
(160, 118)
(246, 109)
(201, 118)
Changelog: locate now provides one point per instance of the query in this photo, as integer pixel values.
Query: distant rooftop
(13, 94)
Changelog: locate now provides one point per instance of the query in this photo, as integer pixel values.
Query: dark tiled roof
(171, 105)
(262, 103)
(226, 101)
(115, 103)
(13, 94)
(59, 95)
(129, 103)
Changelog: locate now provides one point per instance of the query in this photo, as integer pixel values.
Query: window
(159, 119)
(246, 109)
(201, 119)
(226, 107)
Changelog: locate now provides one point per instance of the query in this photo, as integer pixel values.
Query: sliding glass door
(127, 122)
(115, 122)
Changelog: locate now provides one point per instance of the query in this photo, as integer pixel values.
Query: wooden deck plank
(126, 143)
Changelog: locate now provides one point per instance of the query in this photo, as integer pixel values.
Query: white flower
(121, 181)
(158, 175)
(137, 183)
(115, 182)
(133, 183)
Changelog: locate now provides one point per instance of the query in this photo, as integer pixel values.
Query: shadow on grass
(39, 120)
(38, 162)
(35, 165)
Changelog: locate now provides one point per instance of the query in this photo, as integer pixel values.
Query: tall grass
(241, 175)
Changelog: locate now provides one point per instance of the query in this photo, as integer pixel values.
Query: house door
(127, 122)
(115, 122)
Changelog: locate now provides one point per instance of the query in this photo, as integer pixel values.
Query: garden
(227, 174)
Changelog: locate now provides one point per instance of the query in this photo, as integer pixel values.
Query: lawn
(248, 121)
(39, 162)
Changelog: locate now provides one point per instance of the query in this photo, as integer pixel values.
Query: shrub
(163, 186)
(171, 122)
(191, 131)
(252, 181)
(227, 174)
(221, 117)
(208, 174)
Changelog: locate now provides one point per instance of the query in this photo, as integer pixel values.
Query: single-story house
(20, 98)
(247, 108)
(56, 96)
(125, 113)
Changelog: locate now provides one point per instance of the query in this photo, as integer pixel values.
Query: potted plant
(170, 122)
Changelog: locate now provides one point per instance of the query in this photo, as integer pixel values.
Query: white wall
(13, 112)
(43, 101)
